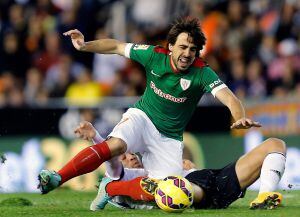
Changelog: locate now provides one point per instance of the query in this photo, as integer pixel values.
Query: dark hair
(192, 27)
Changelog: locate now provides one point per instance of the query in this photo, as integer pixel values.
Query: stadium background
(46, 87)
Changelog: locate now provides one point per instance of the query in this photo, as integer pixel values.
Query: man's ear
(170, 47)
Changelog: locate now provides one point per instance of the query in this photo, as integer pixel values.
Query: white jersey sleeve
(131, 173)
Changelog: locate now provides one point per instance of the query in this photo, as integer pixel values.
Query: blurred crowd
(252, 45)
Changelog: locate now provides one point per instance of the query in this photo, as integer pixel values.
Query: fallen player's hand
(85, 130)
(244, 123)
(188, 165)
(77, 38)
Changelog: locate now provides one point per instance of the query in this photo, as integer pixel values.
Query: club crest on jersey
(184, 83)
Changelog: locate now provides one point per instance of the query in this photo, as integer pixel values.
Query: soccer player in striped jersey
(177, 78)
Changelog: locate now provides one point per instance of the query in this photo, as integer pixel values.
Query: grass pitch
(62, 202)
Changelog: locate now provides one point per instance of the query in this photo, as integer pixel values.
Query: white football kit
(162, 156)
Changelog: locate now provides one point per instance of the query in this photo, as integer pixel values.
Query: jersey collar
(176, 71)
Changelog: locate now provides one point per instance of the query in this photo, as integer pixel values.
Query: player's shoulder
(156, 49)
(200, 67)
(161, 50)
(199, 63)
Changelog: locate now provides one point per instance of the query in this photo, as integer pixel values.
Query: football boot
(266, 200)
(48, 180)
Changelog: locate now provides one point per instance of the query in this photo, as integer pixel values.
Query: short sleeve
(211, 82)
(139, 52)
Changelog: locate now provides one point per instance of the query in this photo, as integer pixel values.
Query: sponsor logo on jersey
(167, 96)
(141, 47)
(184, 83)
(153, 73)
(215, 83)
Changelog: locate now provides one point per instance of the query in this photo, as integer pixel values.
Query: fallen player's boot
(266, 200)
(102, 197)
(125, 202)
(149, 185)
(48, 180)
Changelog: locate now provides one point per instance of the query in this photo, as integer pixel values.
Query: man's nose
(187, 53)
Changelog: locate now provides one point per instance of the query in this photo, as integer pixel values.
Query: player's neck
(173, 66)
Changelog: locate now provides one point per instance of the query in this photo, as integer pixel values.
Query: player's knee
(276, 145)
(117, 146)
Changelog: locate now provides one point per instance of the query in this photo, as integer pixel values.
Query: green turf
(64, 202)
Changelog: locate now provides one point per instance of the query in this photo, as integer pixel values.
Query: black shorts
(221, 186)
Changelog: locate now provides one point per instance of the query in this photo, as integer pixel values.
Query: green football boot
(48, 180)
(102, 197)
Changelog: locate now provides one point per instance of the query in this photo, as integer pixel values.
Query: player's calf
(130, 194)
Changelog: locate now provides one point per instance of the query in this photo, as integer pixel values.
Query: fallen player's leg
(266, 161)
(219, 188)
(139, 189)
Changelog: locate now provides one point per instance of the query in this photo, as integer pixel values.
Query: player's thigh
(249, 165)
(163, 157)
(130, 129)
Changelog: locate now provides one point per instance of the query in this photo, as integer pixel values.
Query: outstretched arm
(103, 46)
(237, 110)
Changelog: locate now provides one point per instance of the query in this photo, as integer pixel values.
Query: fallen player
(214, 188)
